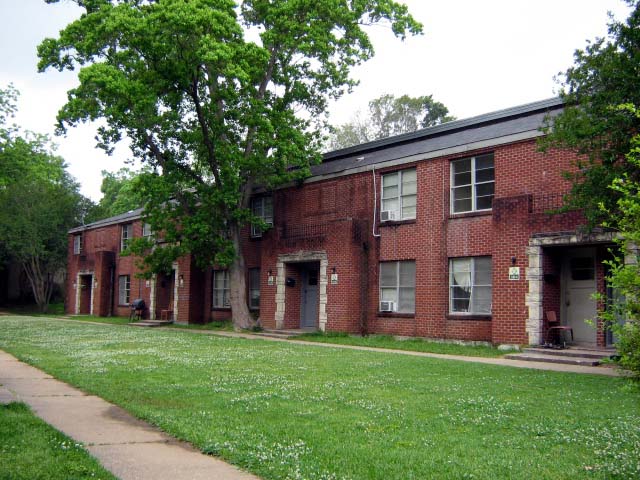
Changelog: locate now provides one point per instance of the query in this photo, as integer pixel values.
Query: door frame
(78, 287)
(578, 252)
(281, 292)
(172, 279)
(305, 270)
(534, 299)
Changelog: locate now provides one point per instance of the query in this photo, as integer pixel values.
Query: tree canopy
(39, 203)
(605, 75)
(601, 121)
(218, 98)
(387, 116)
(122, 191)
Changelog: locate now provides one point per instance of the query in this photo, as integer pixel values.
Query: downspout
(111, 290)
(375, 203)
(364, 288)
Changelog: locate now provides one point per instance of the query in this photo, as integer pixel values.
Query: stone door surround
(535, 274)
(301, 257)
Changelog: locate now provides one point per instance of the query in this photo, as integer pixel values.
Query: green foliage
(388, 116)
(216, 114)
(39, 203)
(624, 274)
(121, 192)
(604, 75)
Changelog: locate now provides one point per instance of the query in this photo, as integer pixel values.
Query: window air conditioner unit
(387, 306)
(387, 215)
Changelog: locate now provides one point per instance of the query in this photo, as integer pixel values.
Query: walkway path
(129, 448)
(555, 367)
(603, 370)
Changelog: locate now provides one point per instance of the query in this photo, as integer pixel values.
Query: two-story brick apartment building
(441, 233)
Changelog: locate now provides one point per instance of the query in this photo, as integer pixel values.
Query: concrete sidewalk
(129, 448)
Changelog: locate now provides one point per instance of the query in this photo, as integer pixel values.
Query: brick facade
(331, 225)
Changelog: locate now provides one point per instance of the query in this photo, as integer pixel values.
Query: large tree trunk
(238, 285)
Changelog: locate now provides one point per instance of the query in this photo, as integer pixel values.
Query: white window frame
(126, 234)
(225, 289)
(146, 230)
(77, 244)
(401, 197)
(472, 286)
(474, 184)
(258, 209)
(397, 285)
(254, 289)
(124, 289)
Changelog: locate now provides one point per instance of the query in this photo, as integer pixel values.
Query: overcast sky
(475, 57)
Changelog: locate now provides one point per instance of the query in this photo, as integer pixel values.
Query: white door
(309, 298)
(579, 271)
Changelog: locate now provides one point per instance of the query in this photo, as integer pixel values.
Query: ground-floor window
(254, 288)
(221, 289)
(124, 289)
(398, 286)
(470, 285)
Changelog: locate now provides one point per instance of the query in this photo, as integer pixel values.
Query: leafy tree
(624, 276)
(213, 111)
(39, 202)
(605, 74)
(601, 122)
(388, 116)
(122, 191)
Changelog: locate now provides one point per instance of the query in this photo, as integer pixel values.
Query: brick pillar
(102, 283)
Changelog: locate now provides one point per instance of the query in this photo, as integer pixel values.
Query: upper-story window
(126, 235)
(261, 207)
(146, 230)
(77, 244)
(399, 195)
(472, 184)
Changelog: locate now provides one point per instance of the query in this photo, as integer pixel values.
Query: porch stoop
(151, 323)
(570, 356)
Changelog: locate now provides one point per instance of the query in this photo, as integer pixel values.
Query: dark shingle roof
(122, 218)
(494, 125)
(511, 121)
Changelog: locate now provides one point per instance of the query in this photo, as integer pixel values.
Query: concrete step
(151, 323)
(572, 352)
(548, 358)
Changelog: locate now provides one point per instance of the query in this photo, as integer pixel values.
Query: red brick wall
(334, 216)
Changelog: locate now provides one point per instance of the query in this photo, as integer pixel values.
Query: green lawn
(31, 450)
(287, 411)
(410, 344)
